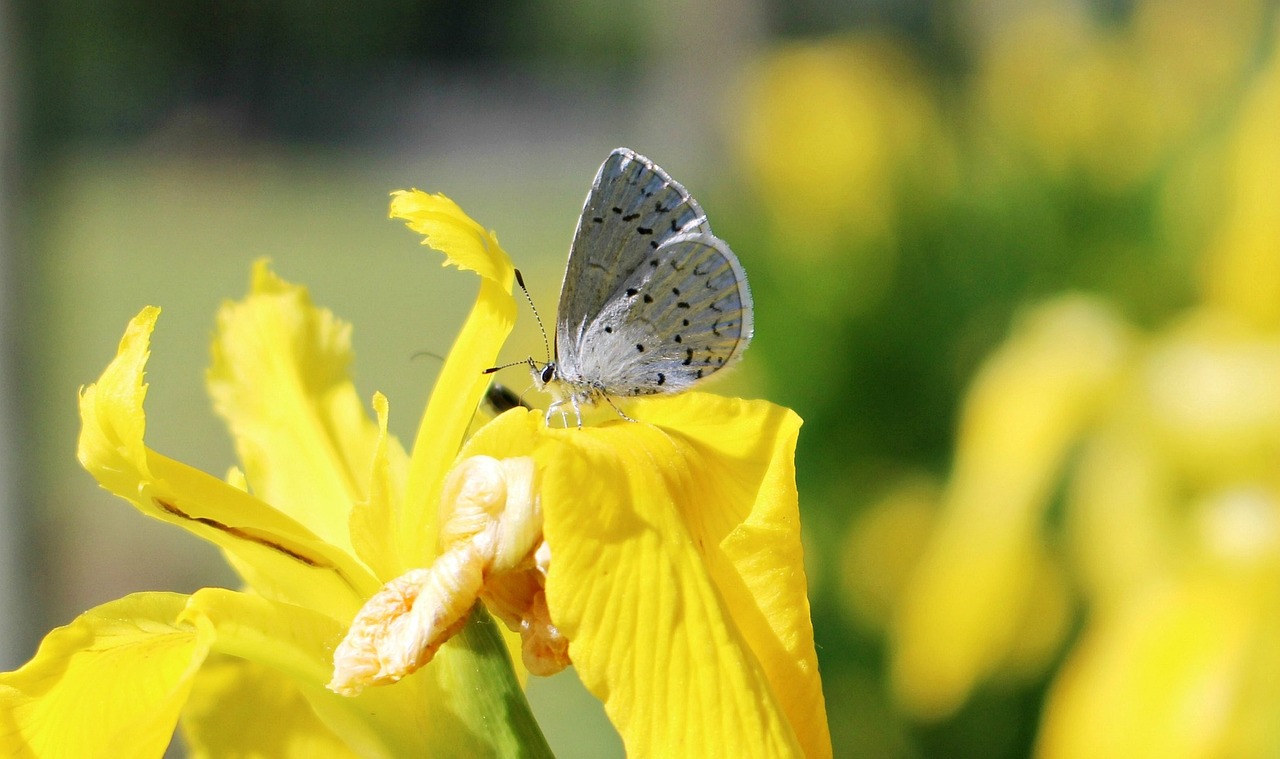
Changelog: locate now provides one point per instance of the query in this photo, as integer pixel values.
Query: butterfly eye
(548, 372)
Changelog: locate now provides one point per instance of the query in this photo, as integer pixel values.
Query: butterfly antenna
(545, 343)
(492, 369)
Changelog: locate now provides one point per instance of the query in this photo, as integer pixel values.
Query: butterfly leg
(621, 413)
(552, 409)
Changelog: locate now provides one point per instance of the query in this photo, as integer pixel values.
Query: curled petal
(519, 532)
(400, 629)
(491, 524)
(474, 494)
(447, 228)
(493, 503)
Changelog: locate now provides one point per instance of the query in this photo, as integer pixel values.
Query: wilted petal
(490, 525)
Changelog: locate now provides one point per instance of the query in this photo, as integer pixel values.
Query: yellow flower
(838, 138)
(661, 557)
(328, 507)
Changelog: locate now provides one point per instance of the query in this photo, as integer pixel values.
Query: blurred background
(1016, 264)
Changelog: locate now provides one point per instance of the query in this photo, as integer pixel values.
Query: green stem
(493, 704)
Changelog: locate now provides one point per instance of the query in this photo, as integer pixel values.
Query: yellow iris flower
(661, 557)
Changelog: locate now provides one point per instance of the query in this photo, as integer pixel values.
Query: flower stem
(498, 710)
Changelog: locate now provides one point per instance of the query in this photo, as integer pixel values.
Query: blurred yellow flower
(834, 138)
(882, 548)
(1163, 452)
(975, 585)
(1243, 275)
(1107, 100)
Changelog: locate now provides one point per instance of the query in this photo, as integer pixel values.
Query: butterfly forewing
(682, 315)
(632, 209)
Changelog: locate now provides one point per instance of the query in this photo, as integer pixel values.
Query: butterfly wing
(633, 208)
(682, 315)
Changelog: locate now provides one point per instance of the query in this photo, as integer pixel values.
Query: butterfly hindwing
(682, 315)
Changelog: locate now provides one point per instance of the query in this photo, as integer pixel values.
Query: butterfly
(652, 301)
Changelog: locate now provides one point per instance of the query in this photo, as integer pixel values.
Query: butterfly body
(652, 301)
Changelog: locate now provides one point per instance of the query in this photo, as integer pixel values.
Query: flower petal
(449, 229)
(242, 708)
(461, 383)
(373, 521)
(295, 643)
(749, 447)
(280, 379)
(973, 585)
(437, 711)
(109, 684)
(675, 573)
(277, 556)
(1162, 677)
